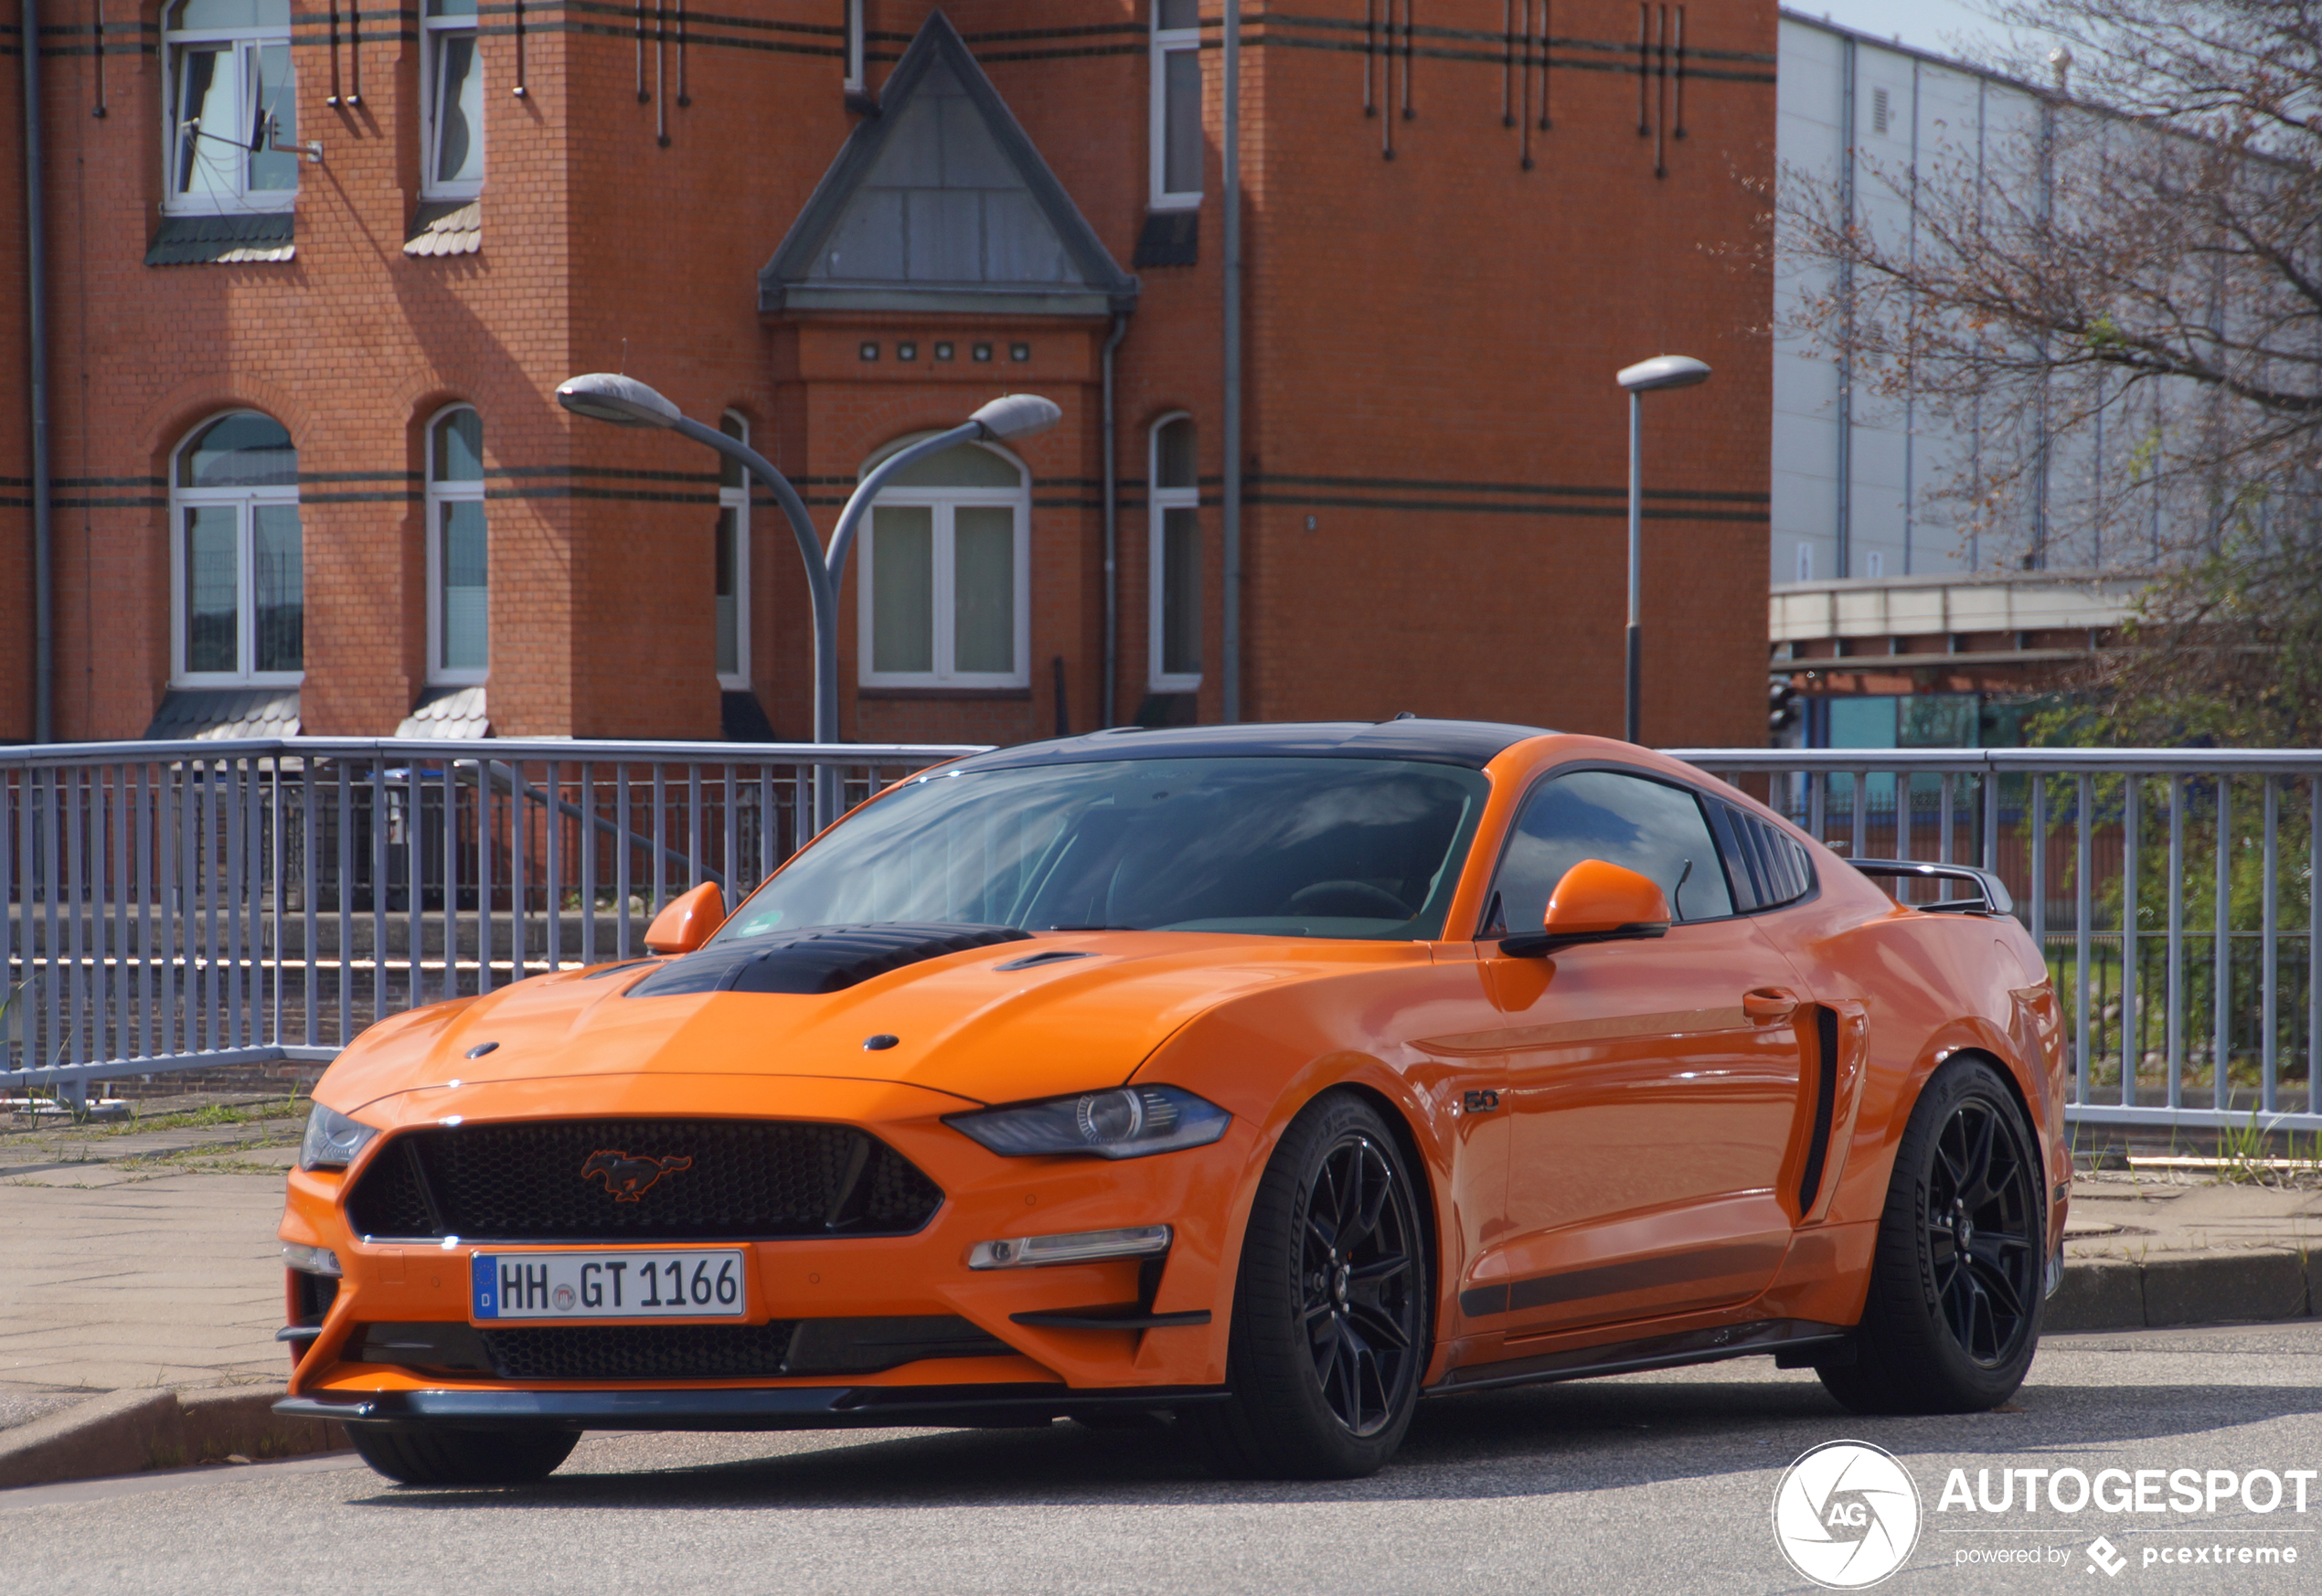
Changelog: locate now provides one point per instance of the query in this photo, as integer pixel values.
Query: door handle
(1767, 1004)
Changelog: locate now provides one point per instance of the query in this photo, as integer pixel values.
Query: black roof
(1472, 743)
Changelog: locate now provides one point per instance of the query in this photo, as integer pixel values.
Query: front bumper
(998, 1406)
(1100, 1326)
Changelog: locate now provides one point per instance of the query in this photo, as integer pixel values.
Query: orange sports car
(1266, 1078)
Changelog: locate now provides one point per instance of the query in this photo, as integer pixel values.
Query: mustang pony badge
(630, 1179)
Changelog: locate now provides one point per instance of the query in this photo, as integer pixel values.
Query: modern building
(1894, 615)
(309, 279)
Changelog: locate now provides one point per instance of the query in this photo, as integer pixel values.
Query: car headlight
(1121, 1121)
(332, 1140)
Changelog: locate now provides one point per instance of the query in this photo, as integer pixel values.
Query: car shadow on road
(1540, 1440)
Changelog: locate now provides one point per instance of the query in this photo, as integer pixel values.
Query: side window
(1175, 537)
(1767, 866)
(1175, 104)
(239, 561)
(231, 105)
(732, 617)
(1647, 826)
(451, 88)
(458, 557)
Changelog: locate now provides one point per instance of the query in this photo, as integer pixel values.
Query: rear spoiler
(1991, 893)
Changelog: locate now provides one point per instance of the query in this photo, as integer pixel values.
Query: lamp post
(605, 395)
(1661, 371)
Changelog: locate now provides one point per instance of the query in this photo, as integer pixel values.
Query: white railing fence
(188, 905)
(2172, 890)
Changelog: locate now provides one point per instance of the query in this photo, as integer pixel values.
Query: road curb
(2199, 1288)
(125, 1432)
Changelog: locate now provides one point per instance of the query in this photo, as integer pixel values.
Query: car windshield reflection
(1292, 847)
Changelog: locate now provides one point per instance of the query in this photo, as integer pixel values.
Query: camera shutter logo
(1846, 1515)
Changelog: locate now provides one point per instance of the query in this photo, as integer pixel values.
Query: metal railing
(179, 906)
(171, 906)
(2179, 1015)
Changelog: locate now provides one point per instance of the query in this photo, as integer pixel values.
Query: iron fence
(2172, 891)
(188, 905)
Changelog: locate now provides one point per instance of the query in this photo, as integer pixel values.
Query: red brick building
(312, 276)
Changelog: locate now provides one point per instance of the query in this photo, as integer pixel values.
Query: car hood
(961, 1024)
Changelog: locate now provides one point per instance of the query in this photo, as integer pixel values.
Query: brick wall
(1430, 347)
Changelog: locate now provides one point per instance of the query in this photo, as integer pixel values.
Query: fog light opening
(1074, 1247)
(308, 1260)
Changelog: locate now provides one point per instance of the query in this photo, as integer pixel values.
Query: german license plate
(628, 1284)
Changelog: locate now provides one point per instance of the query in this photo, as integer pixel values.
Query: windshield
(1315, 848)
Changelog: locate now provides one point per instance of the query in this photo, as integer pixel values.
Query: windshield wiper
(1090, 928)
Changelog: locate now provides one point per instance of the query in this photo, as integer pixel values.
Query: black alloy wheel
(1332, 1306)
(1954, 1309)
(1360, 1320)
(1983, 1221)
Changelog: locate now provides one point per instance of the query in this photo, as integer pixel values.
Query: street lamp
(605, 395)
(1661, 371)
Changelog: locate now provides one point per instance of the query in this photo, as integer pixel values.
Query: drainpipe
(1109, 705)
(35, 241)
(1230, 632)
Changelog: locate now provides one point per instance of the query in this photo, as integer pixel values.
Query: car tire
(1952, 1316)
(1331, 1307)
(464, 1457)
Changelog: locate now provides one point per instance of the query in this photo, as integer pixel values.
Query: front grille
(674, 1352)
(741, 1180)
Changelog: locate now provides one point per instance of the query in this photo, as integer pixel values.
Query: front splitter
(776, 1407)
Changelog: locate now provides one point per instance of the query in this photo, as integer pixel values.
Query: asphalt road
(1661, 1483)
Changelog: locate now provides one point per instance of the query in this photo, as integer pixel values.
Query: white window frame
(431, 32)
(737, 499)
(1159, 501)
(248, 41)
(1166, 42)
(943, 501)
(853, 82)
(245, 575)
(438, 494)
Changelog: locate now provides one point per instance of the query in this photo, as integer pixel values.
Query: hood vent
(826, 959)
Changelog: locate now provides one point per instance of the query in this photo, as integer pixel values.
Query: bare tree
(2124, 289)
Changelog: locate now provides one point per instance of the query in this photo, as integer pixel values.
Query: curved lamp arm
(821, 591)
(843, 540)
(1011, 416)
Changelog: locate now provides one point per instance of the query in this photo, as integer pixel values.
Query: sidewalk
(2147, 1246)
(143, 1257)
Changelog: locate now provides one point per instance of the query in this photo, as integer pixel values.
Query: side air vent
(829, 958)
(1826, 1097)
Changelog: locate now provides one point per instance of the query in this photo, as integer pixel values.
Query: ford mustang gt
(1262, 1079)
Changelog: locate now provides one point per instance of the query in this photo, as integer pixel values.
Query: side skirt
(1786, 1337)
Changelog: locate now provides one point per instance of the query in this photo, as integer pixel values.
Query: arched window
(1174, 607)
(232, 106)
(459, 566)
(452, 96)
(238, 575)
(943, 577)
(733, 561)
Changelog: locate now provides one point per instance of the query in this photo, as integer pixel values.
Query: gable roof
(941, 203)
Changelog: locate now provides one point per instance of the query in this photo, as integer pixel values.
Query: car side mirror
(1596, 902)
(686, 921)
